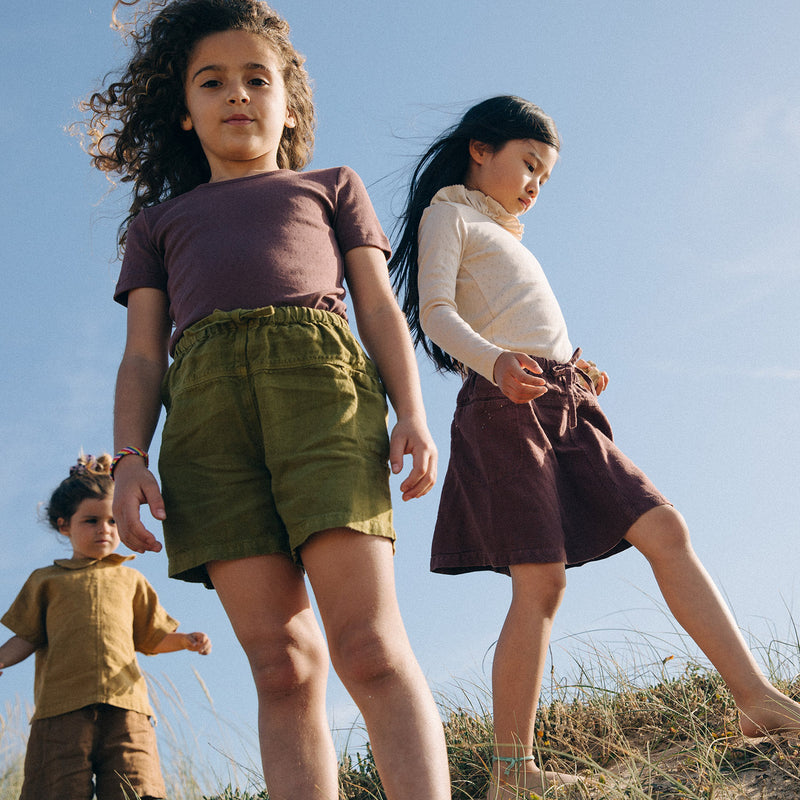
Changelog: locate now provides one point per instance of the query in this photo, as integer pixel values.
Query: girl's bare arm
(197, 642)
(383, 330)
(137, 406)
(13, 651)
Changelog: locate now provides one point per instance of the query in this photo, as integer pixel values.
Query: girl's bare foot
(773, 713)
(520, 779)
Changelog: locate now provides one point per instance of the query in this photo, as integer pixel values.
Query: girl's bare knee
(284, 664)
(539, 585)
(660, 531)
(361, 655)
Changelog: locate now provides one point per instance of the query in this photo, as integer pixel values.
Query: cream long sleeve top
(481, 291)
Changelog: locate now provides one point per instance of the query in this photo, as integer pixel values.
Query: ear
(186, 122)
(478, 151)
(291, 120)
(63, 526)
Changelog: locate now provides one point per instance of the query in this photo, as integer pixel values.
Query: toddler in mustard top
(85, 617)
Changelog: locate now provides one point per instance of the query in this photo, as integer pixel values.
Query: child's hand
(135, 485)
(411, 436)
(198, 643)
(598, 379)
(512, 374)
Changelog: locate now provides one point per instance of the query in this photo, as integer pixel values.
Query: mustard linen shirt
(481, 291)
(86, 618)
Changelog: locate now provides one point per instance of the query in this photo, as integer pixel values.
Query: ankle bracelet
(512, 762)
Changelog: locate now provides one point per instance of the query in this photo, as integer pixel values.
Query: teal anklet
(512, 761)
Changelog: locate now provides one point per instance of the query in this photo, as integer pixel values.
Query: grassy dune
(675, 739)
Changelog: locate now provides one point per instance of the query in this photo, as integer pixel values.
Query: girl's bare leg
(352, 576)
(662, 536)
(266, 601)
(517, 672)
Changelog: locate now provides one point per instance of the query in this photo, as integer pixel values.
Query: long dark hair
(494, 122)
(134, 127)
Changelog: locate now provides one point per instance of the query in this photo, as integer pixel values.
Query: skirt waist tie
(566, 374)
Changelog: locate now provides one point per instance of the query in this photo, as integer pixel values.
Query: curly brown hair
(89, 478)
(134, 126)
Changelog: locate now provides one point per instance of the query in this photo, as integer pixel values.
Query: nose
(238, 95)
(533, 187)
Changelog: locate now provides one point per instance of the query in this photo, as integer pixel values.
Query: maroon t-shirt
(273, 239)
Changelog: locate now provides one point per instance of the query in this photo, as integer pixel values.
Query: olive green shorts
(275, 430)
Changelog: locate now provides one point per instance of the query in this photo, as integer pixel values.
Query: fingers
(599, 379)
(422, 477)
(411, 437)
(527, 363)
(134, 486)
(153, 498)
(139, 539)
(512, 374)
(199, 643)
(601, 384)
(517, 377)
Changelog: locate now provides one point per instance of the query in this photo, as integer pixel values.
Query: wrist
(128, 451)
(414, 418)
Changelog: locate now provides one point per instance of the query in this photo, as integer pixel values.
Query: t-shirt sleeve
(142, 264)
(441, 243)
(27, 617)
(355, 221)
(151, 623)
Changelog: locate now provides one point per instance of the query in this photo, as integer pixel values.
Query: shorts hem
(190, 566)
(478, 561)
(378, 525)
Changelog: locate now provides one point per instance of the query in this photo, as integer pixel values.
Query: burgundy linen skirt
(535, 483)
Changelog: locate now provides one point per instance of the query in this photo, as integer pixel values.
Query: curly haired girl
(273, 459)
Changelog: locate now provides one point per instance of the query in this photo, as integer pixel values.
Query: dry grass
(676, 739)
(13, 734)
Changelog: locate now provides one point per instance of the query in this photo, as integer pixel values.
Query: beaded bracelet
(128, 451)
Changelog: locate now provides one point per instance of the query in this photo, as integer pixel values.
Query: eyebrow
(219, 68)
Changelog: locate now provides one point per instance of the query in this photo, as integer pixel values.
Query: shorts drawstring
(566, 374)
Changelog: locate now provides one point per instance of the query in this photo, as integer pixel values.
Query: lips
(238, 119)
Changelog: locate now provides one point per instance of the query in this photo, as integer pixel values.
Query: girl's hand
(512, 374)
(198, 642)
(411, 436)
(599, 379)
(135, 485)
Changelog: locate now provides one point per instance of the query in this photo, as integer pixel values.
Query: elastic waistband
(549, 365)
(244, 317)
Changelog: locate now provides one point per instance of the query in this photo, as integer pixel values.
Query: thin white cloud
(779, 257)
(700, 368)
(777, 373)
(766, 139)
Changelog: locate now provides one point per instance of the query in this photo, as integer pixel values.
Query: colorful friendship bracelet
(128, 451)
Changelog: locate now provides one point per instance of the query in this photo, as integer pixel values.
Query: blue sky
(669, 232)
